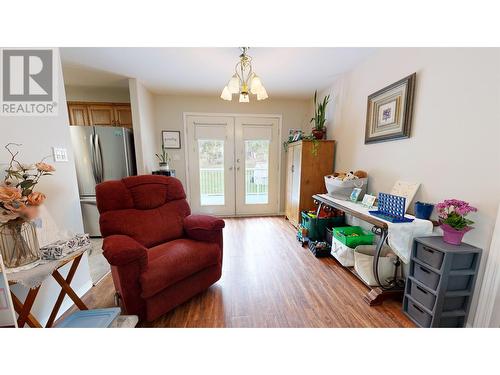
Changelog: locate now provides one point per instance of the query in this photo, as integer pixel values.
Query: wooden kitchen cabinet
(102, 114)
(78, 114)
(307, 165)
(123, 115)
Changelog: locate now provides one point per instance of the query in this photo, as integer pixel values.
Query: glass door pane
(211, 162)
(257, 172)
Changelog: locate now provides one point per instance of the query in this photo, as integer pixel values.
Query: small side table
(24, 308)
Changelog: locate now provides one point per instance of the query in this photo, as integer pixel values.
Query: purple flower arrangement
(453, 212)
(452, 216)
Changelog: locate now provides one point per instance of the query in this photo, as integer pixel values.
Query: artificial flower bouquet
(454, 223)
(19, 205)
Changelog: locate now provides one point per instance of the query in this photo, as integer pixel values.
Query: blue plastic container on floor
(98, 318)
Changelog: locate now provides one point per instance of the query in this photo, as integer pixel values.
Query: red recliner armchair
(160, 254)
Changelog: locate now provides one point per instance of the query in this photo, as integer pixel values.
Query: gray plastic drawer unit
(452, 322)
(463, 261)
(458, 282)
(418, 314)
(422, 295)
(433, 258)
(426, 276)
(454, 303)
(440, 285)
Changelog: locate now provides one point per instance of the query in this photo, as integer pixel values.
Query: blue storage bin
(98, 318)
(423, 210)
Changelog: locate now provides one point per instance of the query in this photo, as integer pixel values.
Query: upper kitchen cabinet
(103, 114)
(78, 114)
(123, 115)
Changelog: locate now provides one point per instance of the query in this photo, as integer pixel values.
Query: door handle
(93, 158)
(231, 168)
(100, 166)
(237, 160)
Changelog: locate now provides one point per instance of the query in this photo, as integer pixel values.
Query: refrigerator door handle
(93, 157)
(100, 165)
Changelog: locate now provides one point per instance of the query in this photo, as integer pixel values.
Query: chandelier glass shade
(244, 81)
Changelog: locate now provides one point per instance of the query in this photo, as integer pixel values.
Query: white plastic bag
(363, 264)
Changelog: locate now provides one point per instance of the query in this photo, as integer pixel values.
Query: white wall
(97, 94)
(61, 212)
(141, 101)
(454, 149)
(169, 112)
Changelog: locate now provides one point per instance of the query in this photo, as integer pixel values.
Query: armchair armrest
(204, 228)
(120, 250)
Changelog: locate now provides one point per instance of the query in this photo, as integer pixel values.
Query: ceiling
(286, 72)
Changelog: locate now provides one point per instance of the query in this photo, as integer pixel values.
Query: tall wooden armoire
(308, 162)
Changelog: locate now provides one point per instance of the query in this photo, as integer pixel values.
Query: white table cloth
(34, 276)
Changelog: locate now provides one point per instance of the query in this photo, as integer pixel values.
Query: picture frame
(297, 136)
(368, 200)
(389, 111)
(171, 139)
(355, 194)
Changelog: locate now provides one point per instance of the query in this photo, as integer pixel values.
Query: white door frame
(488, 293)
(232, 114)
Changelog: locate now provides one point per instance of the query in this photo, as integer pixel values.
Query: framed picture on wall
(171, 139)
(389, 111)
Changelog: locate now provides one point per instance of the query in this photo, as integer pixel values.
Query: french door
(233, 164)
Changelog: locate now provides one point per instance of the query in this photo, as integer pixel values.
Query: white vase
(164, 167)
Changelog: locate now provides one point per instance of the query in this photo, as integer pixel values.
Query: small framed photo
(368, 200)
(297, 136)
(355, 194)
(171, 139)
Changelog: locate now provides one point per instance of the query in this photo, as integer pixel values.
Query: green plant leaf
(26, 184)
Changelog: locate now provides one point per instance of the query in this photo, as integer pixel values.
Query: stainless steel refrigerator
(101, 153)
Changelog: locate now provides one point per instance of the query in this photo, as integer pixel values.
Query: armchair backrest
(150, 209)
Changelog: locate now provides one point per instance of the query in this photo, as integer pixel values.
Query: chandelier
(244, 81)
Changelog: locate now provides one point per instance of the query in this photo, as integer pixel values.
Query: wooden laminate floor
(269, 280)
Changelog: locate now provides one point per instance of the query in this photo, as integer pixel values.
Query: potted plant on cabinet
(452, 216)
(319, 119)
(164, 160)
